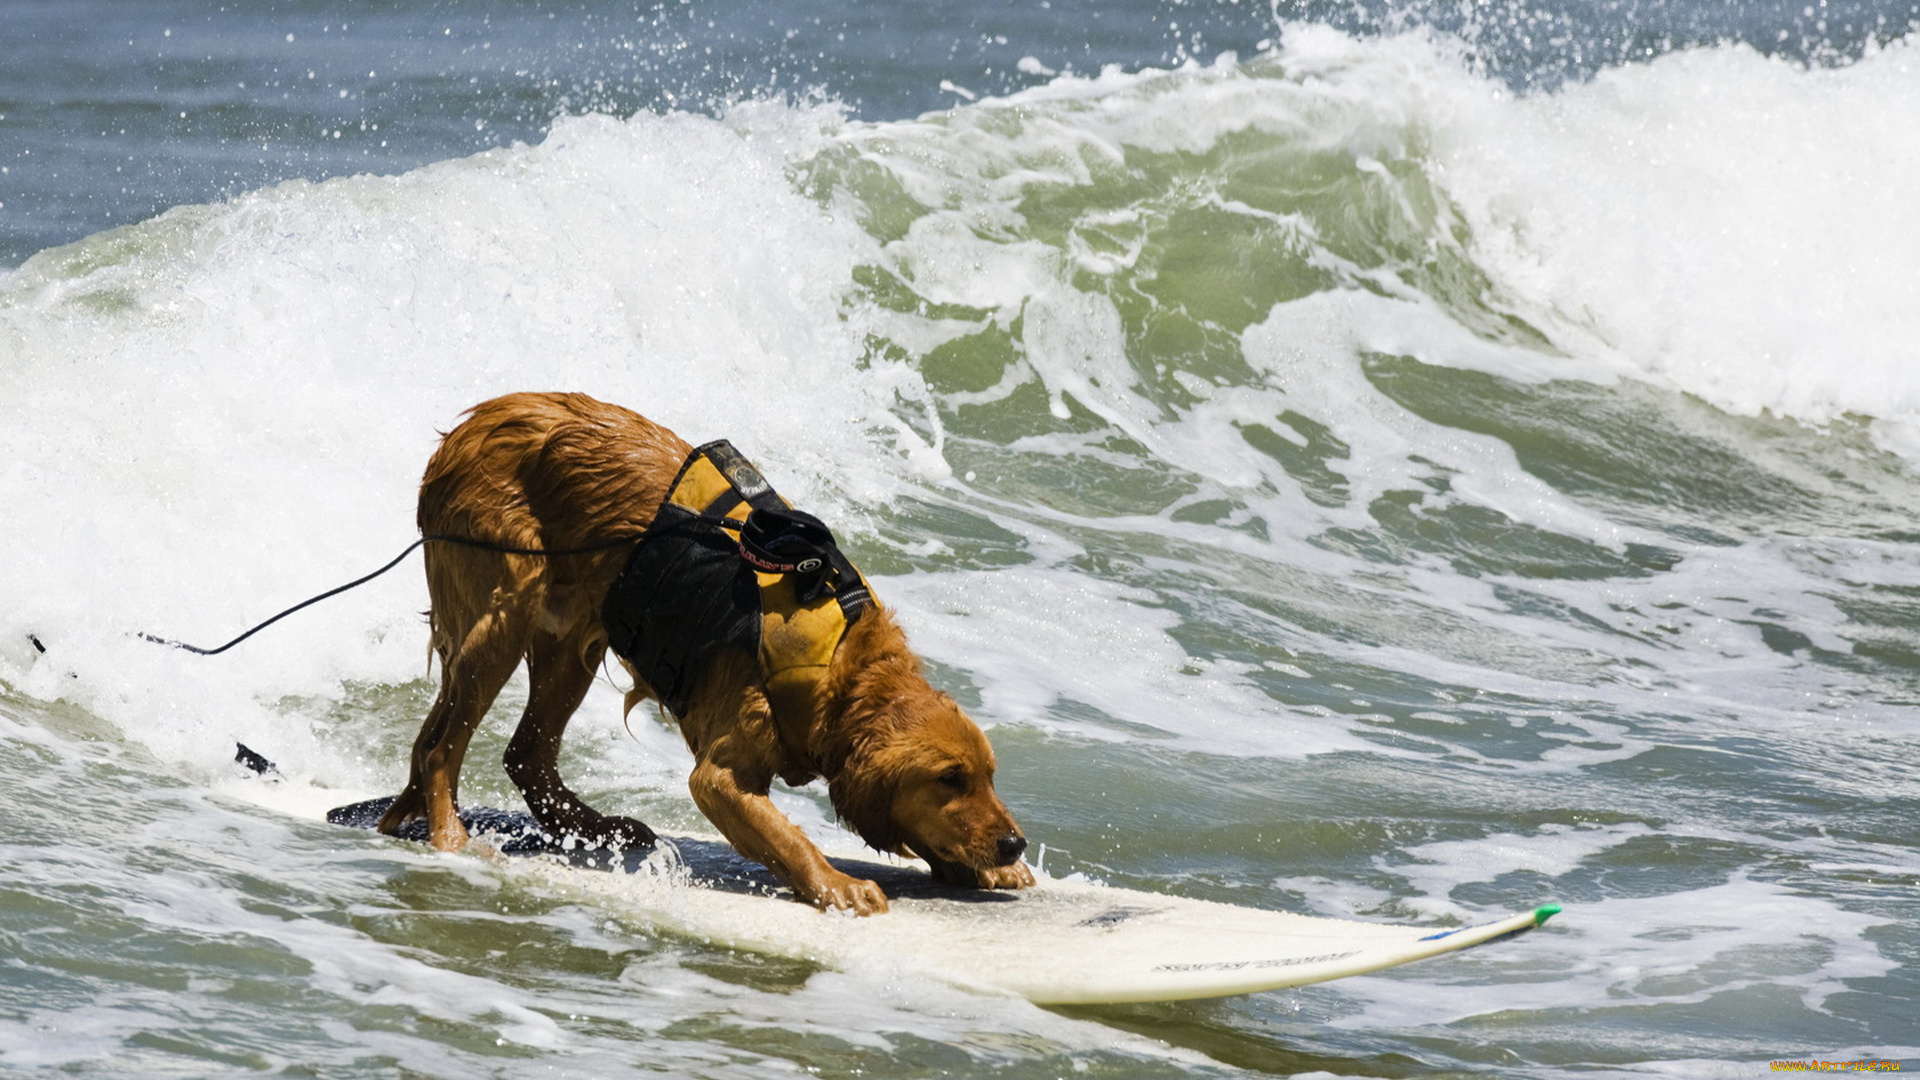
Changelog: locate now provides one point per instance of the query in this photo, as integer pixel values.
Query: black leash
(757, 556)
(466, 541)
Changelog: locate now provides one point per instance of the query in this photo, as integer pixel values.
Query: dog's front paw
(1015, 875)
(844, 892)
(1012, 876)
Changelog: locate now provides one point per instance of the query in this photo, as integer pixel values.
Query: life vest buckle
(782, 540)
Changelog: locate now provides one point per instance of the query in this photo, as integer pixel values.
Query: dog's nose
(1011, 845)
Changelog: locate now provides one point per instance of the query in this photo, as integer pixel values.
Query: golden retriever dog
(570, 478)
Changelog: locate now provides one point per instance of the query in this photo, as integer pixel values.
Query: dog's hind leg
(476, 669)
(560, 669)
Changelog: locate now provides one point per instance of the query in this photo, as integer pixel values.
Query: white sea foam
(1037, 639)
(1733, 226)
(1712, 942)
(1739, 227)
(1553, 851)
(1671, 949)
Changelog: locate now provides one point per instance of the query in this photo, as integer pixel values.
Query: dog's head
(925, 787)
(917, 773)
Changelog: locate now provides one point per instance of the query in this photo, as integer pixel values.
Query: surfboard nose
(1010, 846)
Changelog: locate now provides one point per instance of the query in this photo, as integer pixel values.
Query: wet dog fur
(905, 767)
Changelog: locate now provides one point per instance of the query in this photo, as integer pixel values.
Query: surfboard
(1064, 941)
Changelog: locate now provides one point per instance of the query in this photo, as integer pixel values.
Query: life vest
(727, 563)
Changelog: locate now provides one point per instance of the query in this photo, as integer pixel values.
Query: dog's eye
(955, 778)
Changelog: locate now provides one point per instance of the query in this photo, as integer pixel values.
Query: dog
(544, 501)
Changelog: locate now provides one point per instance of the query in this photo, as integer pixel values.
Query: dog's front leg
(739, 806)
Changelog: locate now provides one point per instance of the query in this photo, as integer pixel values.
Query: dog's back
(538, 472)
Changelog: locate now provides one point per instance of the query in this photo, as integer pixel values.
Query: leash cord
(466, 541)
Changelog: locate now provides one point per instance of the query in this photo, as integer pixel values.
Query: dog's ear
(863, 791)
(869, 664)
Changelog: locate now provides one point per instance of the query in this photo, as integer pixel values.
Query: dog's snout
(1011, 846)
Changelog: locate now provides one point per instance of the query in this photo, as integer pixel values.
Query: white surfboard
(1060, 942)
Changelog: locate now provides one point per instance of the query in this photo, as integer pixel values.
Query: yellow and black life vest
(728, 562)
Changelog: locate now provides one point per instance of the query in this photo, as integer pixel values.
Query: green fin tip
(1544, 912)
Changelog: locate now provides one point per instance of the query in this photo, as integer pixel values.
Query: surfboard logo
(1278, 962)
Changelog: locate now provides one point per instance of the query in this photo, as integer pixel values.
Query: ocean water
(1396, 462)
